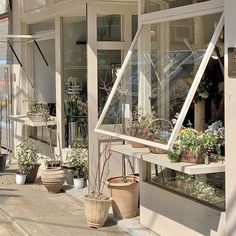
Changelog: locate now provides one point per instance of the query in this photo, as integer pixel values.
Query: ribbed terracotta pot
(53, 178)
(125, 196)
(96, 211)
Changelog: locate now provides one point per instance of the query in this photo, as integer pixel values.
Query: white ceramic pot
(78, 183)
(20, 179)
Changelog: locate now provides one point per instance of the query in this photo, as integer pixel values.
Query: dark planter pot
(31, 176)
(3, 159)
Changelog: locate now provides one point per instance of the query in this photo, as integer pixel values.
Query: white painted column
(59, 84)
(230, 119)
(92, 86)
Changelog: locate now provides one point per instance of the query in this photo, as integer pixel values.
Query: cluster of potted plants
(196, 147)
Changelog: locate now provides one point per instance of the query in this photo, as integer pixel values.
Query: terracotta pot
(125, 196)
(53, 178)
(31, 176)
(96, 211)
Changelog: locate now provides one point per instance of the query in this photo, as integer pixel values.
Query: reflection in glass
(109, 63)
(153, 5)
(109, 28)
(158, 77)
(208, 189)
(75, 78)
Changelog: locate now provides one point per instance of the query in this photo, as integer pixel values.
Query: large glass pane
(75, 78)
(109, 62)
(156, 5)
(207, 189)
(158, 77)
(42, 27)
(109, 28)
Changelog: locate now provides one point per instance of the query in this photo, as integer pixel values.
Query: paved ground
(31, 210)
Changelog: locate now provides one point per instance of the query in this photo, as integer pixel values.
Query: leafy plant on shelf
(199, 144)
(37, 110)
(27, 155)
(139, 126)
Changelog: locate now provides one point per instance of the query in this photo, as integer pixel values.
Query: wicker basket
(37, 117)
(189, 157)
(137, 145)
(159, 124)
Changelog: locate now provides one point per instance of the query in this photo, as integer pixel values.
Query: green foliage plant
(27, 155)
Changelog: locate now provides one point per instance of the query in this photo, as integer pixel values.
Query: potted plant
(159, 130)
(195, 147)
(77, 163)
(53, 176)
(38, 111)
(97, 204)
(138, 127)
(27, 155)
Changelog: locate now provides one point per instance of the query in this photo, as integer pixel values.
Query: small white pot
(20, 179)
(78, 183)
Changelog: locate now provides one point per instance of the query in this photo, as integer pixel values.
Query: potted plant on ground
(53, 176)
(27, 155)
(77, 162)
(97, 204)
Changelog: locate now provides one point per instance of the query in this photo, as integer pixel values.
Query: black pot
(3, 159)
(31, 176)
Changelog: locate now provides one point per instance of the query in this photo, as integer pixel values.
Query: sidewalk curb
(14, 223)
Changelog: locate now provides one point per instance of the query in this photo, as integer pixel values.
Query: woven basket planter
(190, 158)
(137, 145)
(37, 117)
(157, 150)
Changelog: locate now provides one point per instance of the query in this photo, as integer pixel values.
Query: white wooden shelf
(23, 119)
(162, 160)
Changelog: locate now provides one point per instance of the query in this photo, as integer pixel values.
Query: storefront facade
(177, 44)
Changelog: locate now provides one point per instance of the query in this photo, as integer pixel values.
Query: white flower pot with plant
(27, 155)
(20, 178)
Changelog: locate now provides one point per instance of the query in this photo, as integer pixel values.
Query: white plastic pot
(78, 183)
(20, 179)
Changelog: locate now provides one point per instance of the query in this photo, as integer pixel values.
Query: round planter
(125, 196)
(96, 211)
(78, 183)
(31, 176)
(53, 178)
(20, 179)
(137, 145)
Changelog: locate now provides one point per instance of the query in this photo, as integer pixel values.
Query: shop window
(109, 28)
(158, 5)
(159, 76)
(42, 27)
(109, 63)
(75, 78)
(207, 189)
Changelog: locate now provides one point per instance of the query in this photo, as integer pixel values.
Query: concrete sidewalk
(36, 212)
(30, 210)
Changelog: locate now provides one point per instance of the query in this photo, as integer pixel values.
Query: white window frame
(198, 9)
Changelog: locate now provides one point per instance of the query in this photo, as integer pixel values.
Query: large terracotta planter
(31, 176)
(53, 179)
(96, 211)
(125, 196)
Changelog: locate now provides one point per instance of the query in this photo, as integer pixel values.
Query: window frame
(198, 9)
